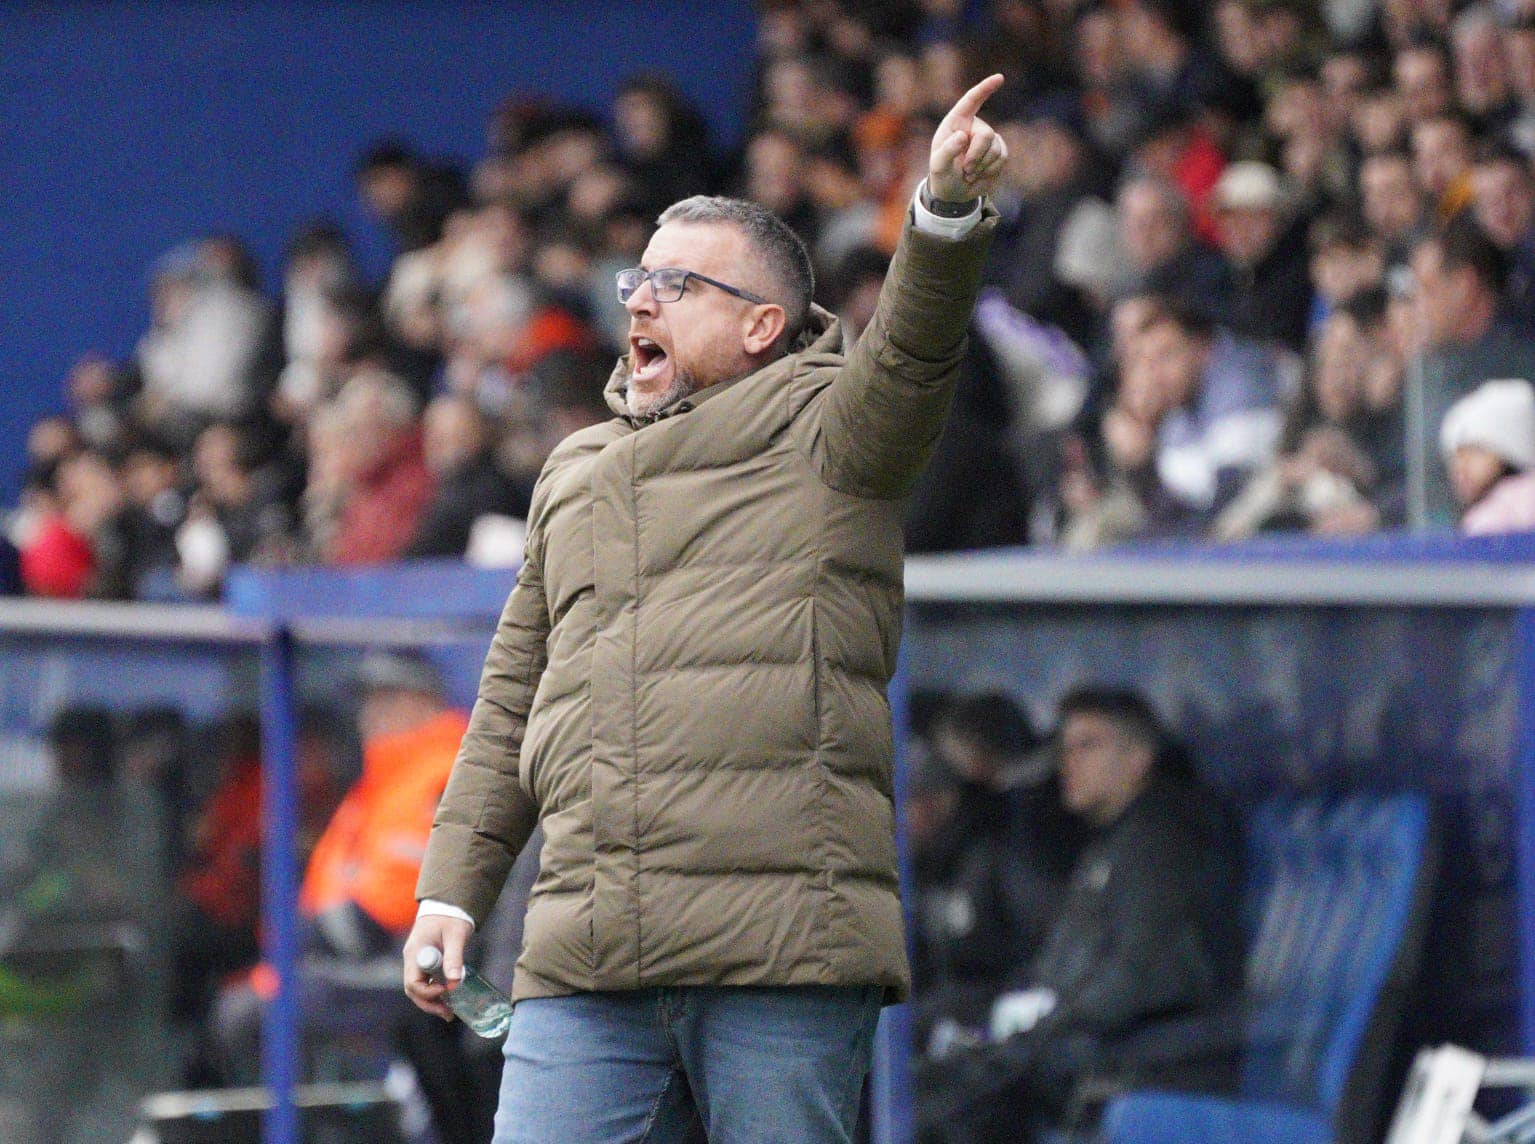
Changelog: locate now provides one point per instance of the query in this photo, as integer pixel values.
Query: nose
(643, 301)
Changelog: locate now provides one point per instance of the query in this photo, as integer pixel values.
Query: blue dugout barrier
(1406, 663)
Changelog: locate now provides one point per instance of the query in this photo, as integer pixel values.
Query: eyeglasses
(668, 283)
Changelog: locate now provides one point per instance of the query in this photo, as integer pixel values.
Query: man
(1051, 172)
(1442, 150)
(457, 446)
(1264, 245)
(1165, 258)
(411, 196)
(1198, 412)
(686, 689)
(356, 899)
(1422, 74)
(1149, 929)
(1463, 339)
(1503, 198)
(991, 849)
(1389, 199)
(386, 479)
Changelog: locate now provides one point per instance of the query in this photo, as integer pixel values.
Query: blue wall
(130, 126)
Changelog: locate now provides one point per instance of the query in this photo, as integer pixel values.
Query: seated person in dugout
(1150, 929)
(991, 847)
(357, 901)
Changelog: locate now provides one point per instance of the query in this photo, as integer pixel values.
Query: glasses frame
(682, 284)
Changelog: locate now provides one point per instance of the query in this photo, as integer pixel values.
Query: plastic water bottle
(474, 1001)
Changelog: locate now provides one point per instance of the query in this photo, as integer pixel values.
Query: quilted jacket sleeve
(881, 418)
(485, 816)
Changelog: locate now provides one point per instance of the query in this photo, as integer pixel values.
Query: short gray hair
(770, 238)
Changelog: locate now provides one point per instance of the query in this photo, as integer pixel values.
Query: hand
(449, 935)
(967, 156)
(1130, 441)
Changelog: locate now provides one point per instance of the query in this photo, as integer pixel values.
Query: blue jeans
(759, 1064)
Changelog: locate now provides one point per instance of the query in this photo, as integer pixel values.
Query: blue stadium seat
(1337, 898)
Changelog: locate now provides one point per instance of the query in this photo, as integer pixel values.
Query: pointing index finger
(964, 111)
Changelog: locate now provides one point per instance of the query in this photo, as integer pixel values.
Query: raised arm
(881, 418)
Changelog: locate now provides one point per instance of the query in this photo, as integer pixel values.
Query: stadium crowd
(1252, 254)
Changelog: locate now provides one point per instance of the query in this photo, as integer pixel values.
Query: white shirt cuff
(432, 908)
(929, 223)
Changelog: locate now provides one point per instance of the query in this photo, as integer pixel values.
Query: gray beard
(641, 405)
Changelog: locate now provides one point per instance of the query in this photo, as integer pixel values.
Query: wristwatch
(946, 208)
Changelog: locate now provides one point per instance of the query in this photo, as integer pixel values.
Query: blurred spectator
(214, 917)
(973, 492)
(68, 548)
(1483, 86)
(1345, 260)
(1163, 51)
(1378, 121)
(235, 515)
(1102, 73)
(80, 907)
(991, 850)
(1488, 443)
(412, 196)
(208, 348)
(775, 177)
(1442, 147)
(662, 142)
(319, 269)
(457, 448)
(1389, 198)
(1421, 72)
(1149, 929)
(845, 220)
(1519, 45)
(1050, 169)
(1503, 198)
(1164, 256)
(357, 900)
(1197, 413)
(1461, 340)
(1174, 145)
(99, 395)
(1264, 245)
(156, 508)
(1340, 468)
(386, 484)
(1309, 130)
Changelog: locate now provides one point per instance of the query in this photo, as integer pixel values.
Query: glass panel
(1306, 698)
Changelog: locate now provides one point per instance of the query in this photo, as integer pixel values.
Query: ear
(762, 327)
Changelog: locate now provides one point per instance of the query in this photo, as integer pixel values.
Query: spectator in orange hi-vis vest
(369, 856)
(357, 901)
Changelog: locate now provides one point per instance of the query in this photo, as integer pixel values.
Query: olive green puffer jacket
(687, 685)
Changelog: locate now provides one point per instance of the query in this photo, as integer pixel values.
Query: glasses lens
(668, 284)
(628, 282)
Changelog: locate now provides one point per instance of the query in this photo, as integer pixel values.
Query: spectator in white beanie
(1488, 443)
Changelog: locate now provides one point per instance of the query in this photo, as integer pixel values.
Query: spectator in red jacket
(388, 482)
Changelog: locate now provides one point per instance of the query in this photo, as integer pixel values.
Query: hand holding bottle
(447, 935)
(474, 1000)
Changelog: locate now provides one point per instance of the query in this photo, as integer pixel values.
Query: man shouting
(687, 688)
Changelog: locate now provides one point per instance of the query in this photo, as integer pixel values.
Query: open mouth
(647, 360)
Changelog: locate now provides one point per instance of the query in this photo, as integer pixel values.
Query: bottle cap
(429, 959)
